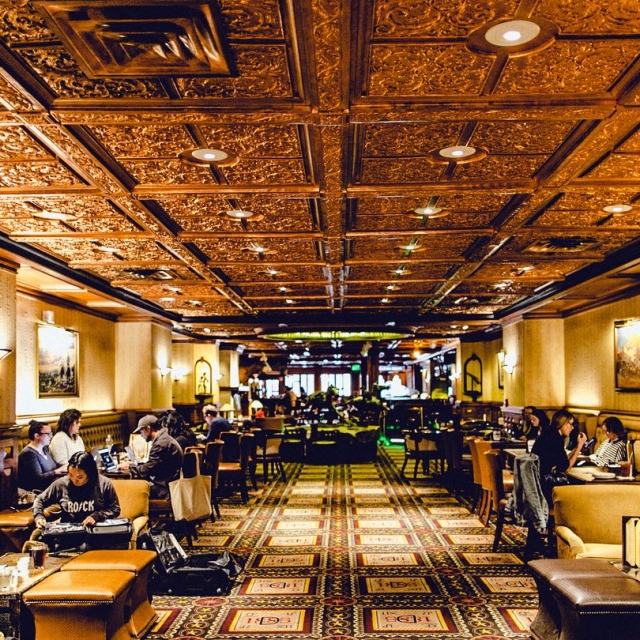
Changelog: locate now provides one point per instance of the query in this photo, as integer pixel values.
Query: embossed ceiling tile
(384, 273)
(167, 172)
(61, 73)
(221, 309)
(17, 144)
(631, 144)
(293, 291)
(425, 70)
(279, 304)
(13, 99)
(508, 286)
(375, 302)
(280, 222)
(263, 72)
(479, 309)
(617, 165)
(520, 137)
(574, 200)
(399, 170)
(124, 141)
(474, 201)
(208, 224)
(435, 247)
(125, 276)
(256, 140)
(287, 274)
(421, 18)
(405, 288)
(252, 19)
(554, 218)
(533, 270)
(127, 249)
(285, 250)
(19, 24)
(579, 67)
(267, 171)
(409, 139)
(166, 289)
(452, 221)
(501, 167)
(591, 16)
(31, 225)
(36, 174)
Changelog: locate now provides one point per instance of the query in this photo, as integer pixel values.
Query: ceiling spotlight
(54, 215)
(283, 289)
(242, 214)
(617, 208)
(391, 287)
(428, 212)
(385, 300)
(256, 248)
(207, 330)
(209, 156)
(289, 301)
(106, 249)
(411, 247)
(457, 152)
(270, 272)
(401, 271)
(512, 33)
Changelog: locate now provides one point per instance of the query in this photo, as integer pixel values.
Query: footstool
(593, 608)
(141, 615)
(15, 529)
(547, 623)
(87, 605)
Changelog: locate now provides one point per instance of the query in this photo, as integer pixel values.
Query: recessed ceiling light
(385, 300)
(617, 208)
(242, 214)
(457, 152)
(106, 249)
(270, 272)
(207, 330)
(256, 248)
(465, 327)
(209, 156)
(283, 289)
(391, 287)
(54, 215)
(401, 271)
(512, 33)
(289, 301)
(411, 247)
(424, 213)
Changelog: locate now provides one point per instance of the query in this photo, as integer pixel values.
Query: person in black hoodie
(84, 496)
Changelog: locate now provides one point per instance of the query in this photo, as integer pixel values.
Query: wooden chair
(212, 457)
(231, 449)
(268, 452)
(477, 478)
(498, 495)
(133, 496)
(234, 474)
(482, 447)
(422, 449)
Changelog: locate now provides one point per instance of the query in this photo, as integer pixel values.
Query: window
(272, 387)
(342, 382)
(299, 381)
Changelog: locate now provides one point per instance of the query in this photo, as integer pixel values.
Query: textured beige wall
(8, 341)
(96, 359)
(513, 344)
(487, 352)
(184, 357)
(543, 362)
(589, 351)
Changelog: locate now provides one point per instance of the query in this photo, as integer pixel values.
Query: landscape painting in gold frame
(57, 361)
(627, 354)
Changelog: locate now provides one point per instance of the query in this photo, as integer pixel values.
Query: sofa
(589, 519)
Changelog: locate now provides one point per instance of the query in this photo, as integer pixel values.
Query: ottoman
(88, 605)
(547, 623)
(139, 614)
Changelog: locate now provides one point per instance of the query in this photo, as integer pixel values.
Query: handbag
(191, 497)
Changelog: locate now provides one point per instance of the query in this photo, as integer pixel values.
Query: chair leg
(216, 506)
(283, 475)
(404, 466)
(499, 524)
(415, 469)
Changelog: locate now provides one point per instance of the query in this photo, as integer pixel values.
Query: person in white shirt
(614, 448)
(66, 440)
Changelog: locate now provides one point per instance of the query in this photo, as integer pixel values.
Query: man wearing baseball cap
(165, 457)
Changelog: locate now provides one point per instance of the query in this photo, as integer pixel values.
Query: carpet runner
(356, 552)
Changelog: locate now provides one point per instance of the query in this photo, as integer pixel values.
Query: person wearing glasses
(67, 440)
(36, 468)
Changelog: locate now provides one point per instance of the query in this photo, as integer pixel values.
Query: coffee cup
(5, 577)
(38, 554)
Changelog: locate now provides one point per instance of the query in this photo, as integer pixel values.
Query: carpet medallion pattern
(357, 552)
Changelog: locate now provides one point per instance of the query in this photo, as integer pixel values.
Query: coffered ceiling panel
(324, 162)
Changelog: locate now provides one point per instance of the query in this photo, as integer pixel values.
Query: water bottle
(108, 443)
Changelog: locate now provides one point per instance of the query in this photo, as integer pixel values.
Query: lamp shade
(256, 404)
(226, 407)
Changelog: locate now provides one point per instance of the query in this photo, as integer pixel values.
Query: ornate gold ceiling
(336, 111)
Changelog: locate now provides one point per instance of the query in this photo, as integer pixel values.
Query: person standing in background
(66, 440)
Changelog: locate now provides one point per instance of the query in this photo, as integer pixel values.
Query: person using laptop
(85, 497)
(36, 468)
(165, 458)
(66, 440)
(217, 424)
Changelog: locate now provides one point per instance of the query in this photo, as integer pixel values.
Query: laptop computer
(132, 455)
(108, 463)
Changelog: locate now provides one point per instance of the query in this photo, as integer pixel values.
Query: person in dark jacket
(172, 421)
(164, 462)
(84, 496)
(36, 468)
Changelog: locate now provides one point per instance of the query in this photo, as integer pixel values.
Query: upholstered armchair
(589, 519)
(133, 496)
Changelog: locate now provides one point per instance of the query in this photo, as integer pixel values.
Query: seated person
(36, 468)
(614, 447)
(165, 459)
(138, 444)
(66, 440)
(549, 447)
(84, 496)
(172, 421)
(533, 422)
(217, 425)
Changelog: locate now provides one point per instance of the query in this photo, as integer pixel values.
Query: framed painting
(627, 354)
(202, 376)
(57, 362)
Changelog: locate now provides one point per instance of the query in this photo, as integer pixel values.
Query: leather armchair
(589, 519)
(133, 496)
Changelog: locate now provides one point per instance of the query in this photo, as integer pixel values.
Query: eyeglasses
(45, 433)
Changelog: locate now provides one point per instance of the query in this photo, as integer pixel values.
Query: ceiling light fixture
(243, 214)
(412, 247)
(256, 248)
(512, 37)
(209, 156)
(54, 215)
(106, 249)
(457, 152)
(422, 213)
(617, 208)
(512, 33)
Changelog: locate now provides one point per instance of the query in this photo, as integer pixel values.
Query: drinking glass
(38, 554)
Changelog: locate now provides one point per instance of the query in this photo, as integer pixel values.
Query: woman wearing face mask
(84, 496)
(67, 439)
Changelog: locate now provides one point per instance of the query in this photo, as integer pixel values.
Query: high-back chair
(231, 449)
(212, 457)
(133, 496)
(234, 474)
(268, 452)
(498, 494)
(422, 448)
(477, 477)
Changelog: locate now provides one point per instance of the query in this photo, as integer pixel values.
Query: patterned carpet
(356, 552)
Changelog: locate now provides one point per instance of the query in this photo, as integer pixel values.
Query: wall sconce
(48, 316)
(4, 353)
(509, 363)
(165, 371)
(178, 373)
